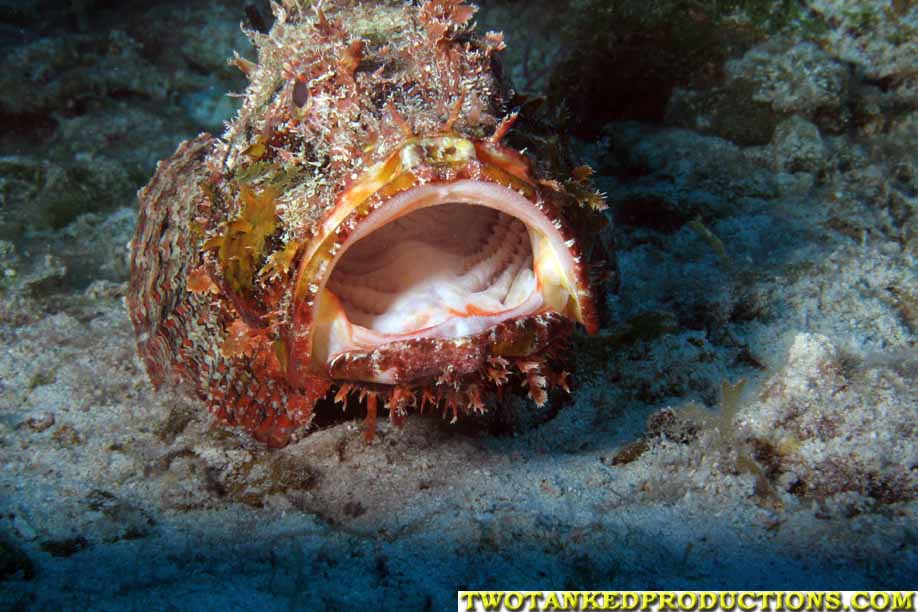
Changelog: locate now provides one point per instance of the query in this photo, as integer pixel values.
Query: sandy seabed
(787, 262)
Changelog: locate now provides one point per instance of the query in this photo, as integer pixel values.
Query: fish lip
(554, 244)
(431, 165)
(416, 359)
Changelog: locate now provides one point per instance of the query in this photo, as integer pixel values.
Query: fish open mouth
(443, 261)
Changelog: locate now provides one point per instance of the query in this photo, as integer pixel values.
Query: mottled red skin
(155, 297)
(245, 352)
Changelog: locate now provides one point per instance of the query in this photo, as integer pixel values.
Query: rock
(92, 249)
(66, 70)
(41, 422)
(773, 80)
(845, 427)
(798, 146)
(792, 77)
(105, 290)
(96, 246)
(534, 40)
(124, 131)
(8, 262)
(728, 111)
(66, 436)
(643, 52)
(211, 107)
(877, 36)
(841, 66)
(210, 34)
(198, 41)
(45, 276)
(37, 194)
(811, 362)
(118, 519)
(669, 177)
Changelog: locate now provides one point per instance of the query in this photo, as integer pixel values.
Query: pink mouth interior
(445, 260)
(433, 264)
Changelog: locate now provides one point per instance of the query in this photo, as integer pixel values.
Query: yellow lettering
(708, 600)
(647, 600)
(814, 601)
(688, 601)
(766, 596)
(630, 601)
(491, 600)
(552, 600)
(469, 601)
(859, 601)
(667, 601)
(517, 599)
(532, 600)
(746, 601)
(903, 600)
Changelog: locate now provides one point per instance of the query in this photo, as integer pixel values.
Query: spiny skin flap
(361, 233)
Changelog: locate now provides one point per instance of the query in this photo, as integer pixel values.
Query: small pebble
(41, 422)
